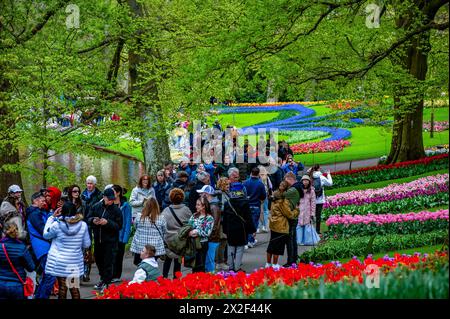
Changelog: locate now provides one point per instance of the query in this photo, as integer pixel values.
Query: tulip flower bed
(429, 185)
(347, 226)
(438, 126)
(300, 136)
(320, 147)
(208, 285)
(393, 207)
(392, 171)
(361, 246)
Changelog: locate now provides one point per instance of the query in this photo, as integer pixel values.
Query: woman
(150, 230)
(318, 181)
(74, 194)
(307, 210)
(200, 168)
(11, 286)
(160, 187)
(279, 225)
(13, 209)
(176, 216)
(202, 223)
(223, 186)
(125, 231)
(265, 206)
(69, 236)
(139, 194)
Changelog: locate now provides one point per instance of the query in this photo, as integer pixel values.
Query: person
(13, 254)
(279, 225)
(36, 220)
(257, 194)
(293, 194)
(209, 168)
(202, 180)
(69, 235)
(74, 196)
(200, 168)
(151, 227)
(176, 216)
(264, 219)
(125, 231)
(181, 183)
(290, 166)
(214, 239)
(276, 174)
(222, 169)
(223, 185)
(148, 269)
(319, 180)
(160, 187)
(217, 125)
(307, 208)
(13, 209)
(142, 192)
(91, 195)
(202, 223)
(106, 221)
(169, 172)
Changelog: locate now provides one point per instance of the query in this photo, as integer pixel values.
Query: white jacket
(325, 181)
(137, 198)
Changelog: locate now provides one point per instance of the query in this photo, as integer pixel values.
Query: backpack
(318, 189)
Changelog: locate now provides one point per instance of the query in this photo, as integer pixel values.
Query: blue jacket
(210, 170)
(287, 168)
(36, 219)
(20, 257)
(125, 231)
(256, 191)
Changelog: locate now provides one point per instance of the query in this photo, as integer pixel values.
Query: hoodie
(69, 237)
(325, 181)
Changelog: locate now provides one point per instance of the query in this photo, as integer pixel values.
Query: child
(148, 269)
(279, 225)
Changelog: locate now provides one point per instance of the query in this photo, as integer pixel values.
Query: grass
(244, 120)
(129, 148)
(322, 109)
(440, 114)
(367, 142)
(382, 183)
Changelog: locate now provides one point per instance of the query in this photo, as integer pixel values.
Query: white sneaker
(268, 265)
(265, 230)
(246, 247)
(251, 245)
(224, 266)
(276, 266)
(259, 231)
(255, 242)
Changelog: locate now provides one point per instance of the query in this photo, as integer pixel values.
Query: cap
(36, 195)
(207, 189)
(109, 193)
(14, 189)
(306, 177)
(109, 186)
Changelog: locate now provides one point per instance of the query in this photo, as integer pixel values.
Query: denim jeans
(46, 283)
(255, 213)
(10, 290)
(265, 214)
(235, 254)
(210, 264)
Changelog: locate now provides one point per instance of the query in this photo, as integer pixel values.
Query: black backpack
(318, 189)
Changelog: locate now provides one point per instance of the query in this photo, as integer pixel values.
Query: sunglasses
(75, 191)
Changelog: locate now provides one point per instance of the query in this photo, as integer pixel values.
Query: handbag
(162, 257)
(307, 235)
(28, 284)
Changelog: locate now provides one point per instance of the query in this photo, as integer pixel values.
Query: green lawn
(321, 109)
(440, 114)
(243, 120)
(382, 183)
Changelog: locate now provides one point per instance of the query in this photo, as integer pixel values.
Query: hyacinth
(386, 218)
(423, 186)
(320, 147)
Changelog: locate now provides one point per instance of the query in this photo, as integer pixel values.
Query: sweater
(256, 191)
(183, 213)
(65, 257)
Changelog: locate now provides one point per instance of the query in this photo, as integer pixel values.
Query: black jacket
(160, 192)
(194, 195)
(177, 184)
(110, 231)
(276, 178)
(237, 223)
(96, 197)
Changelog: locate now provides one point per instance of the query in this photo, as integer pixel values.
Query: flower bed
(393, 207)
(362, 225)
(438, 126)
(428, 185)
(386, 172)
(300, 136)
(361, 246)
(208, 285)
(320, 147)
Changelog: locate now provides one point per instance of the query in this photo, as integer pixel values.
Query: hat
(108, 186)
(14, 189)
(306, 177)
(109, 193)
(207, 189)
(36, 195)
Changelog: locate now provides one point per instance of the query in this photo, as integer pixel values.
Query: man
(106, 221)
(256, 193)
(276, 174)
(293, 195)
(290, 166)
(91, 195)
(202, 180)
(13, 209)
(171, 175)
(36, 219)
(222, 168)
(181, 183)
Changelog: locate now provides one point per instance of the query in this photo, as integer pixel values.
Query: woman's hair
(11, 230)
(204, 201)
(78, 201)
(151, 210)
(283, 186)
(150, 249)
(149, 181)
(163, 173)
(121, 191)
(68, 210)
(176, 196)
(308, 189)
(223, 184)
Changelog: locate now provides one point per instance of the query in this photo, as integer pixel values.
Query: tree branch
(107, 41)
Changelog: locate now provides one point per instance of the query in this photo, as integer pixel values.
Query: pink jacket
(307, 208)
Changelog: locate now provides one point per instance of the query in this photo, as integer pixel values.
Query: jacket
(20, 258)
(203, 225)
(184, 245)
(177, 184)
(183, 213)
(149, 233)
(217, 214)
(148, 270)
(237, 220)
(307, 208)
(281, 213)
(110, 231)
(276, 178)
(9, 213)
(125, 231)
(194, 195)
(90, 201)
(256, 191)
(160, 191)
(137, 198)
(325, 181)
(222, 170)
(36, 220)
(65, 257)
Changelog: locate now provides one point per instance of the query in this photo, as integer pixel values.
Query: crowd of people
(201, 216)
